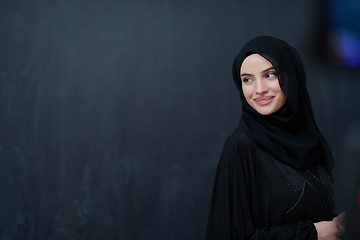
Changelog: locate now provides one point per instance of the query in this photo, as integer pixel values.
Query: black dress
(256, 196)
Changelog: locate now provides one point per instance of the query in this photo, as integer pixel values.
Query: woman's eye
(271, 75)
(245, 80)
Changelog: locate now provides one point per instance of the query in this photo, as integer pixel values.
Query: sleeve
(234, 209)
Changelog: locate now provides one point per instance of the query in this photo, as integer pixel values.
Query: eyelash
(245, 80)
(266, 75)
(273, 73)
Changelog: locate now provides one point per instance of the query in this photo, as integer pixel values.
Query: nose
(261, 87)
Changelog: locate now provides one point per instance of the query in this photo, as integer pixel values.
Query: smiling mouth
(264, 100)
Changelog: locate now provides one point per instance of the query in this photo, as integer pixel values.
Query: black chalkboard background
(113, 113)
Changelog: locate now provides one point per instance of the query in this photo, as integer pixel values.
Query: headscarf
(290, 134)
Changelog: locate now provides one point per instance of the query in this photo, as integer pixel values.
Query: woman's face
(260, 85)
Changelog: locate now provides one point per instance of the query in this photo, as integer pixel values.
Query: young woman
(273, 179)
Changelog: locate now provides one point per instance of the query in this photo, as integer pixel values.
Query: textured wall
(113, 113)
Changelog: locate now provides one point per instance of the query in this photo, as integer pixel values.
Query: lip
(264, 100)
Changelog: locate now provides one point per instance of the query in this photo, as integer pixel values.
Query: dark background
(113, 113)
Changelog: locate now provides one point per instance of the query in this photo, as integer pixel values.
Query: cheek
(275, 86)
(247, 91)
(283, 99)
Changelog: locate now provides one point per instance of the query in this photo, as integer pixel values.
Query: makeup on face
(260, 85)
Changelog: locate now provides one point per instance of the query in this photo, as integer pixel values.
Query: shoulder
(238, 149)
(238, 159)
(238, 141)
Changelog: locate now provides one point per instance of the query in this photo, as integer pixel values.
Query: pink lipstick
(264, 100)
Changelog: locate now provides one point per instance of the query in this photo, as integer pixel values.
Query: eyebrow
(248, 74)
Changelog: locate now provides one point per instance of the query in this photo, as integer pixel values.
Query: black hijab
(290, 134)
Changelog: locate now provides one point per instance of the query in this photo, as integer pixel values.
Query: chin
(266, 112)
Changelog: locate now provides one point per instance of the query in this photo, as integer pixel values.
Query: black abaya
(258, 197)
